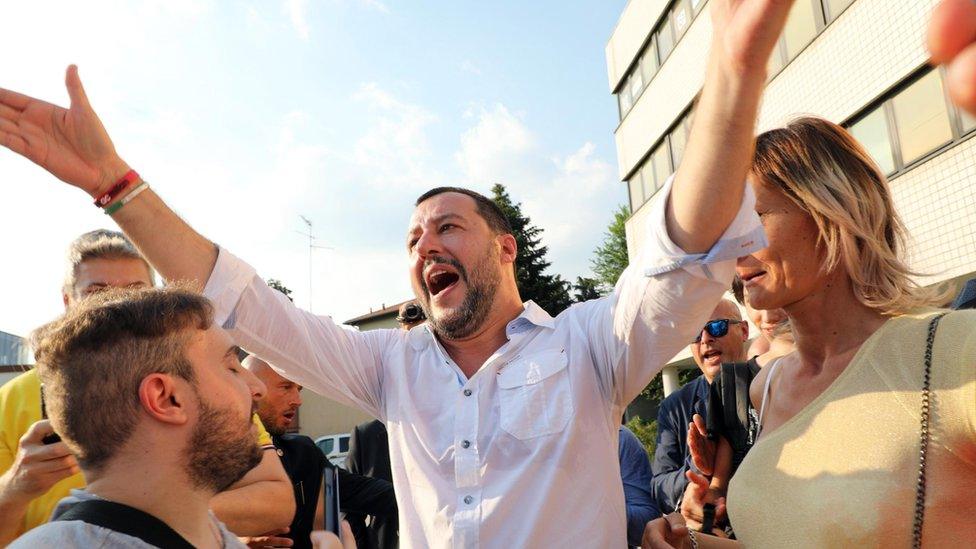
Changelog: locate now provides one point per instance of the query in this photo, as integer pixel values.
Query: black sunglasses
(717, 328)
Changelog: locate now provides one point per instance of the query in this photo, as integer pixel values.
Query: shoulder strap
(126, 520)
(924, 435)
(769, 378)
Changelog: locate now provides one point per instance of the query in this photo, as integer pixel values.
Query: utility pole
(311, 246)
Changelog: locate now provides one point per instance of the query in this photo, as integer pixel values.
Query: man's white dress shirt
(524, 453)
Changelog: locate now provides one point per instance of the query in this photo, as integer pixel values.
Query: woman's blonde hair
(828, 174)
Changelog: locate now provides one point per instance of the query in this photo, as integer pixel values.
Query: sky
(246, 115)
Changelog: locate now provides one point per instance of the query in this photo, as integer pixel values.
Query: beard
(222, 448)
(471, 314)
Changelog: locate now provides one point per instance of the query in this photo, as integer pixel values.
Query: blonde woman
(837, 461)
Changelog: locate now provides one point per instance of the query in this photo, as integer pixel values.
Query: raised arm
(710, 181)
(73, 145)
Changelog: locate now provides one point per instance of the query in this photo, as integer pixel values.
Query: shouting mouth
(289, 416)
(440, 279)
(712, 355)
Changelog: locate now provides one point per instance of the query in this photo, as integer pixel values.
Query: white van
(335, 447)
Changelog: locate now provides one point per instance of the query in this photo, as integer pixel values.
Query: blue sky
(245, 115)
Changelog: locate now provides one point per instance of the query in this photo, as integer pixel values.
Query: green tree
(646, 432)
(278, 285)
(610, 258)
(585, 289)
(655, 389)
(548, 291)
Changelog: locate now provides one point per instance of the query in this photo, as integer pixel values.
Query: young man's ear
(164, 399)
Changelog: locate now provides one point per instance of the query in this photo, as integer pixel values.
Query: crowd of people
(849, 422)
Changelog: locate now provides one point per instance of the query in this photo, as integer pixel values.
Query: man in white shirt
(502, 420)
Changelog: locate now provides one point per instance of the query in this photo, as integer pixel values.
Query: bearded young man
(502, 420)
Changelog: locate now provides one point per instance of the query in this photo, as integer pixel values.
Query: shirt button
(467, 392)
(468, 500)
(465, 444)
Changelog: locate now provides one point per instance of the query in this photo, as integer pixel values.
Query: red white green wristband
(126, 199)
(117, 189)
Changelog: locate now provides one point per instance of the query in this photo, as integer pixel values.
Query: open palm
(747, 30)
(70, 143)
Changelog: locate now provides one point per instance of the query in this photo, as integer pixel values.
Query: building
(15, 356)
(860, 63)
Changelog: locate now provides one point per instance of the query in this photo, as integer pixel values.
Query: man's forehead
(725, 309)
(442, 205)
(112, 270)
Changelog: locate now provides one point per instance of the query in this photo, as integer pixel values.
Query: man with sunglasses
(721, 339)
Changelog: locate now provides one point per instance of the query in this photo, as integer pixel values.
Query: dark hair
(93, 358)
(738, 291)
(487, 209)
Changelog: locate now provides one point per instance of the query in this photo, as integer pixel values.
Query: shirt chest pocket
(535, 395)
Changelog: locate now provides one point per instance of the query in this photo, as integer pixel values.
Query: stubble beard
(469, 317)
(222, 449)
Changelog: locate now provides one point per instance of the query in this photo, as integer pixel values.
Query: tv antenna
(311, 247)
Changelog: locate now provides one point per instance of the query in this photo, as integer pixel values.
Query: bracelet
(126, 199)
(694, 540)
(113, 193)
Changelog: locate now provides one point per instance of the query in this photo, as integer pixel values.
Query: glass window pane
(968, 121)
(679, 138)
(649, 61)
(775, 60)
(327, 445)
(872, 132)
(636, 84)
(834, 7)
(647, 174)
(623, 98)
(662, 164)
(922, 117)
(665, 40)
(801, 27)
(681, 18)
(636, 190)
(344, 444)
(695, 4)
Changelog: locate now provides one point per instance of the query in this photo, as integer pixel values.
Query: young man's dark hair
(487, 209)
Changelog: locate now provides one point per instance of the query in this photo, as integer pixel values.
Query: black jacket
(671, 456)
(369, 455)
(305, 464)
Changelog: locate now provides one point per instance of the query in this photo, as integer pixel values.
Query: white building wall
(871, 47)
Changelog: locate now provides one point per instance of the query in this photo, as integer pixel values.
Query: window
(921, 117)
(623, 98)
(681, 18)
(679, 139)
(662, 164)
(833, 8)
(326, 445)
(636, 86)
(872, 132)
(801, 27)
(967, 120)
(344, 444)
(647, 175)
(649, 62)
(665, 40)
(697, 4)
(636, 189)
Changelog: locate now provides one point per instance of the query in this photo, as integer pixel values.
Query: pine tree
(610, 258)
(585, 289)
(548, 291)
(278, 285)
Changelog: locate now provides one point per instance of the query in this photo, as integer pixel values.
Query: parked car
(335, 447)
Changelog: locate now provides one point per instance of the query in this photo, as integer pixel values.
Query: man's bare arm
(710, 181)
(262, 501)
(73, 145)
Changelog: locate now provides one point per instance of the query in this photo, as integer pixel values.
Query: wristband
(113, 193)
(126, 199)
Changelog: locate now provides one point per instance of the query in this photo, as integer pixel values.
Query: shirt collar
(532, 315)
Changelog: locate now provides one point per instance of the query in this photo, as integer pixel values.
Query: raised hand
(70, 143)
(952, 41)
(697, 494)
(702, 450)
(745, 31)
(37, 466)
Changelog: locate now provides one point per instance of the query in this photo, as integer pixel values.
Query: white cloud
(297, 11)
(468, 66)
(496, 148)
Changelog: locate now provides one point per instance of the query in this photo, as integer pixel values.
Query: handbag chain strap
(924, 442)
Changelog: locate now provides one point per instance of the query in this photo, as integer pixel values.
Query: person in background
(369, 454)
(635, 471)
(722, 339)
(305, 464)
(35, 476)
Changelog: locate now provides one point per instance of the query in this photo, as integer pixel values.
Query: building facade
(859, 63)
(15, 356)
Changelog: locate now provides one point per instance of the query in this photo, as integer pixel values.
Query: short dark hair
(487, 209)
(93, 358)
(738, 291)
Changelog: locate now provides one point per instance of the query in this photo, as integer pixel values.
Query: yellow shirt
(842, 472)
(20, 407)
